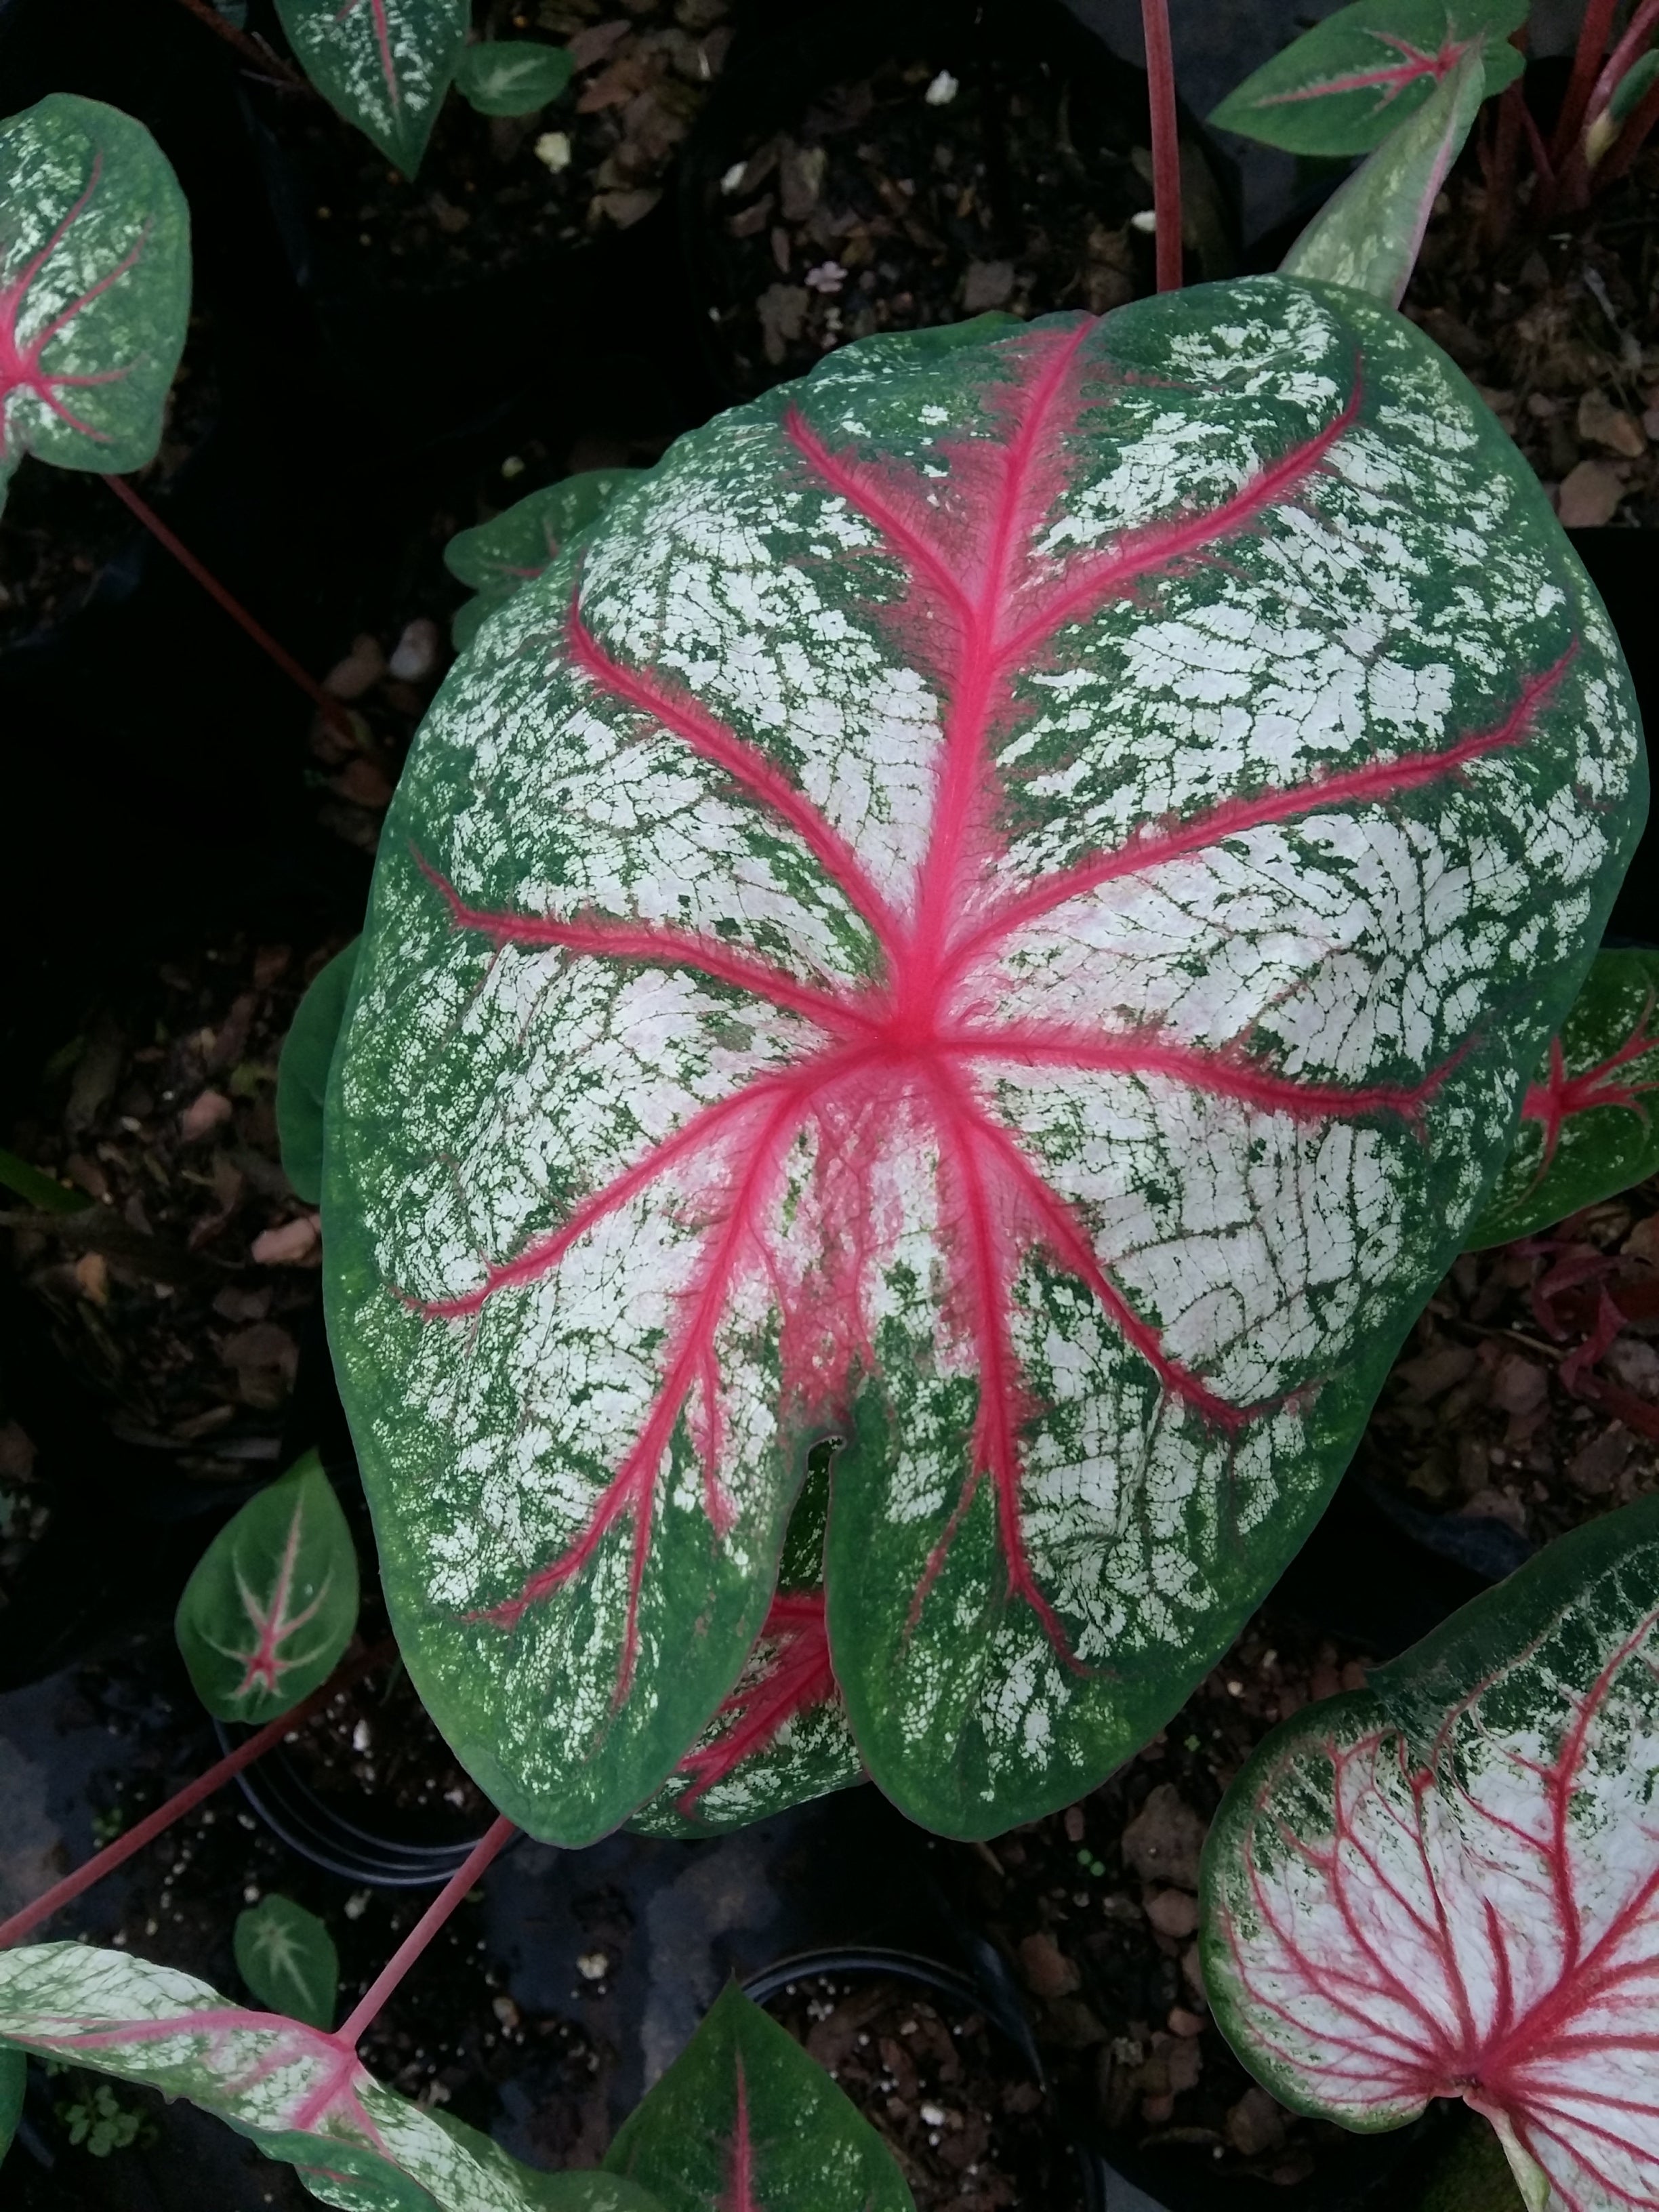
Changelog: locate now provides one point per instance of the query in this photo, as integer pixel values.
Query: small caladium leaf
(94, 287)
(385, 64)
(745, 2120)
(1368, 233)
(302, 2097)
(302, 1072)
(1447, 1885)
(286, 1957)
(998, 906)
(1589, 1121)
(512, 76)
(273, 1600)
(13, 2083)
(1342, 87)
(499, 558)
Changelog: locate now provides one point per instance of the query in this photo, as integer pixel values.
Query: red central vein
(274, 1625)
(1392, 80)
(383, 45)
(796, 1677)
(21, 361)
(740, 2168)
(1560, 1096)
(895, 1042)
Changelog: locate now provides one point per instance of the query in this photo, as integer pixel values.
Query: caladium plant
(744, 2118)
(94, 287)
(272, 1604)
(998, 908)
(1588, 1128)
(384, 64)
(500, 556)
(286, 1957)
(1447, 1884)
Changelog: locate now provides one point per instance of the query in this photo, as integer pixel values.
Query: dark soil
(1530, 1391)
(909, 197)
(1560, 332)
(969, 2127)
(1095, 1909)
(498, 192)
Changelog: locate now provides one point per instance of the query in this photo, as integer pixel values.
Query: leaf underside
(302, 1072)
(1589, 1122)
(744, 2121)
(997, 908)
(301, 2097)
(94, 287)
(384, 64)
(501, 556)
(1345, 85)
(1448, 1884)
(272, 1604)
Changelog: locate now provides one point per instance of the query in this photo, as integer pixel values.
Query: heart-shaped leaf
(286, 1957)
(94, 287)
(385, 64)
(302, 2097)
(1367, 234)
(499, 558)
(1447, 1885)
(744, 2121)
(1589, 1126)
(273, 1600)
(512, 76)
(998, 906)
(1342, 87)
(302, 1072)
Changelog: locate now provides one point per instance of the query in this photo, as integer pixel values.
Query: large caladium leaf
(385, 64)
(1588, 1123)
(299, 2095)
(500, 556)
(1447, 1885)
(94, 287)
(272, 1604)
(1343, 86)
(1368, 233)
(744, 2121)
(998, 906)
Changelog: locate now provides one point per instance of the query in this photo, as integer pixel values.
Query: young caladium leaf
(94, 287)
(744, 2121)
(13, 2083)
(286, 1957)
(1447, 1885)
(302, 1072)
(1342, 87)
(385, 64)
(1588, 1127)
(512, 76)
(1368, 233)
(998, 906)
(301, 2096)
(271, 1605)
(499, 558)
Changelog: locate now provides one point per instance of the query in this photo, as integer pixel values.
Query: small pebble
(206, 1112)
(593, 1966)
(416, 653)
(552, 150)
(942, 90)
(1145, 221)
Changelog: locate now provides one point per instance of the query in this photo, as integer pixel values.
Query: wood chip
(1590, 495)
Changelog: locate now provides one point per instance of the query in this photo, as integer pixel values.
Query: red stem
(336, 715)
(250, 49)
(1586, 62)
(351, 2033)
(1631, 137)
(1166, 143)
(154, 1824)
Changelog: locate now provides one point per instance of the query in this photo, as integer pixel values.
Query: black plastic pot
(789, 57)
(990, 1992)
(381, 1858)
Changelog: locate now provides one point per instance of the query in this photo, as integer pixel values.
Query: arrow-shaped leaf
(273, 1600)
(1447, 1885)
(998, 906)
(744, 2121)
(385, 64)
(286, 1957)
(94, 287)
(1342, 87)
(302, 1072)
(298, 2094)
(1589, 1123)
(1368, 233)
(501, 556)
